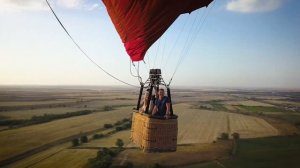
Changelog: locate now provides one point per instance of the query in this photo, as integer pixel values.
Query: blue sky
(242, 43)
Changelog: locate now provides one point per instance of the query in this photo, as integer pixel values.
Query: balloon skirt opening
(154, 135)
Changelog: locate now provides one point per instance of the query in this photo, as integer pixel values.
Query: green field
(270, 152)
(260, 109)
(215, 105)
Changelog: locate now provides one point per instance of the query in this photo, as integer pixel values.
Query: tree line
(42, 119)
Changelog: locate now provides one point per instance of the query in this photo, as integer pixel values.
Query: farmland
(203, 117)
(270, 152)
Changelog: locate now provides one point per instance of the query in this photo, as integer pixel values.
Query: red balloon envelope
(141, 22)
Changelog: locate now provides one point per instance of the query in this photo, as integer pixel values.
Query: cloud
(94, 7)
(19, 5)
(250, 6)
(71, 4)
(41, 5)
(78, 4)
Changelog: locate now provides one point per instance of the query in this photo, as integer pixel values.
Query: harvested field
(198, 127)
(16, 141)
(250, 127)
(185, 154)
(109, 141)
(203, 126)
(27, 114)
(75, 158)
(41, 156)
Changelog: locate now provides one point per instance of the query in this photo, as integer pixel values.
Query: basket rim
(172, 117)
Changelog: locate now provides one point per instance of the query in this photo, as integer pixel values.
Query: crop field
(284, 102)
(109, 141)
(203, 126)
(203, 117)
(16, 141)
(261, 109)
(248, 103)
(271, 152)
(27, 114)
(35, 159)
(68, 158)
(185, 154)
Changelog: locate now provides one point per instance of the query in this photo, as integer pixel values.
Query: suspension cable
(137, 72)
(175, 43)
(200, 25)
(131, 68)
(163, 49)
(83, 52)
(157, 51)
(186, 44)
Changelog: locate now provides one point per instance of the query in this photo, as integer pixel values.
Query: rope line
(163, 49)
(83, 52)
(157, 51)
(199, 26)
(187, 43)
(175, 43)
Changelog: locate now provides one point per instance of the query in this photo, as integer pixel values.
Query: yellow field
(75, 158)
(110, 140)
(250, 127)
(30, 103)
(72, 157)
(203, 126)
(197, 128)
(41, 156)
(94, 105)
(16, 141)
(187, 154)
(27, 114)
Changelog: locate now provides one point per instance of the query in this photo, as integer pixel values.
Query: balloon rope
(191, 42)
(157, 51)
(84, 53)
(137, 72)
(174, 44)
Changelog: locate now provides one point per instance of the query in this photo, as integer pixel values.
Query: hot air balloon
(139, 24)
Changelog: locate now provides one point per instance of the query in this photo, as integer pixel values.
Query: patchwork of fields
(203, 116)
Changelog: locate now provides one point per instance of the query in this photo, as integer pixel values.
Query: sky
(232, 43)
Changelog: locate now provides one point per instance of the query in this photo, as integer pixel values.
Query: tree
(75, 142)
(97, 136)
(119, 128)
(84, 139)
(108, 125)
(119, 143)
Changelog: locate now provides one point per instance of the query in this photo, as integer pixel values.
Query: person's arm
(154, 110)
(168, 109)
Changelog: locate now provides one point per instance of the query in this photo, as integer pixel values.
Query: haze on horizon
(242, 43)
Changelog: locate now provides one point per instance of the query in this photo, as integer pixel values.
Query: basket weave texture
(154, 135)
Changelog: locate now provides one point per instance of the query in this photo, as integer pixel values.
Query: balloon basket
(153, 134)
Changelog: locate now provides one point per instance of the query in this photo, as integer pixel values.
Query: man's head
(161, 92)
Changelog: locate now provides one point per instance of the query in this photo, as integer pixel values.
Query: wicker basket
(154, 135)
